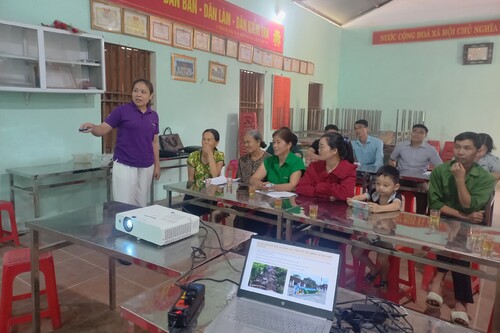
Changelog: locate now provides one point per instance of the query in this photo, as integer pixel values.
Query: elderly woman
(249, 163)
(333, 176)
(485, 158)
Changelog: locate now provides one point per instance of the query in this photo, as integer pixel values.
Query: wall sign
(437, 32)
(217, 16)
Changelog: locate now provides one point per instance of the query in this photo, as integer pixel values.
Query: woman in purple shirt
(136, 156)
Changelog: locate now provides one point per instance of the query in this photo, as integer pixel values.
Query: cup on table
(278, 203)
(434, 216)
(251, 190)
(475, 239)
(313, 211)
(229, 181)
(487, 245)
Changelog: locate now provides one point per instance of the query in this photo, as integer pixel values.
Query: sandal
(382, 285)
(434, 300)
(460, 318)
(369, 278)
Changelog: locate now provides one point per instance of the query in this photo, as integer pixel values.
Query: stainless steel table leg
(112, 283)
(36, 197)
(108, 184)
(152, 193)
(169, 198)
(495, 325)
(35, 280)
(12, 194)
(279, 227)
(288, 229)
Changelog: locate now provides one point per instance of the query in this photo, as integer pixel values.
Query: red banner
(437, 32)
(281, 102)
(217, 16)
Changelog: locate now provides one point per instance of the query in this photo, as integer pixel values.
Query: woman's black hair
(257, 137)
(147, 83)
(286, 135)
(486, 140)
(336, 141)
(214, 132)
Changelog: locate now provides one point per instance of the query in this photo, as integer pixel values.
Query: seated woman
(334, 175)
(280, 172)
(295, 148)
(203, 164)
(249, 163)
(485, 158)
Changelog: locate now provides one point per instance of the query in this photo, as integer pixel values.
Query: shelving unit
(43, 59)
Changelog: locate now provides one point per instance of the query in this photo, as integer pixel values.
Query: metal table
(411, 231)
(231, 198)
(163, 166)
(93, 228)
(149, 309)
(31, 180)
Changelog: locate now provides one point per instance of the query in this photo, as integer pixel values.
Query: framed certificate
(245, 53)
(310, 68)
(267, 59)
(218, 45)
(475, 54)
(201, 40)
(105, 17)
(183, 36)
(303, 67)
(277, 61)
(231, 48)
(295, 65)
(135, 24)
(160, 30)
(287, 64)
(217, 72)
(257, 56)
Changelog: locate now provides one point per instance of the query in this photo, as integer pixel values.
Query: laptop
(284, 287)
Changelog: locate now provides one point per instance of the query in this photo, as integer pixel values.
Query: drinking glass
(487, 245)
(313, 211)
(251, 190)
(434, 216)
(278, 203)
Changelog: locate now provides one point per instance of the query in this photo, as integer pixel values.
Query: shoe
(124, 262)
(369, 278)
(382, 286)
(434, 300)
(460, 318)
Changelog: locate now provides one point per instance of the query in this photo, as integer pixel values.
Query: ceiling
(378, 13)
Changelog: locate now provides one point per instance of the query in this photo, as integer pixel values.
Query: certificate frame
(478, 54)
(295, 65)
(257, 56)
(182, 36)
(231, 48)
(267, 59)
(135, 24)
(287, 64)
(218, 45)
(303, 67)
(277, 61)
(183, 67)
(160, 30)
(217, 72)
(310, 68)
(245, 53)
(106, 17)
(201, 40)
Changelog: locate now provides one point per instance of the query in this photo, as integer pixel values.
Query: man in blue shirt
(368, 150)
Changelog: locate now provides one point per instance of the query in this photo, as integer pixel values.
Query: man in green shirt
(459, 188)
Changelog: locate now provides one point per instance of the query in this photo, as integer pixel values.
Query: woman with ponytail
(334, 175)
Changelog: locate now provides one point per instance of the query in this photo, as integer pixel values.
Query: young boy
(384, 198)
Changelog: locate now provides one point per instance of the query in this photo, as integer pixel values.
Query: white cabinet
(42, 59)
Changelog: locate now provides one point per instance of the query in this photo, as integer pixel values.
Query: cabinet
(43, 59)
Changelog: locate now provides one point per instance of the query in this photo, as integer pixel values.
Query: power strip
(187, 305)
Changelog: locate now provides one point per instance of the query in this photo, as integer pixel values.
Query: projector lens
(128, 225)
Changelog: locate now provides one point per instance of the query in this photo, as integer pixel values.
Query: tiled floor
(82, 281)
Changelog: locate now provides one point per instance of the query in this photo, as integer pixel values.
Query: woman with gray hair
(250, 162)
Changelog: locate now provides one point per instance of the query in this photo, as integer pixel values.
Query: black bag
(170, 143)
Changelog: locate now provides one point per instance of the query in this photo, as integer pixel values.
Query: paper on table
(427, 173)
(278, 194)
(219, 180)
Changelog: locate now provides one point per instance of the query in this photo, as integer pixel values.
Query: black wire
(214, 280)
(221, 248)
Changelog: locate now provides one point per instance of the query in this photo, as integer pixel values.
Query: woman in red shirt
(334, 175)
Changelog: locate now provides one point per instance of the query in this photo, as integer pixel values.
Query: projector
(157, 224)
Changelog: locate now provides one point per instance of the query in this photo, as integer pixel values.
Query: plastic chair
(344, 266)
(409, 201)
(5, 235)
(447, 152)
(16, 262)
(394, 293)
(233, 167)
(436, 144)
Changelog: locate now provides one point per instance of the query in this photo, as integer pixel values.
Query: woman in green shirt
(282, 171)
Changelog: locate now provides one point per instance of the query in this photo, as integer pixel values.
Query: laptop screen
(291, 275)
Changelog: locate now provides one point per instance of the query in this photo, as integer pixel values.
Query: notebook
(284, 287)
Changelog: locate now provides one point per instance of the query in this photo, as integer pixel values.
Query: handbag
(170, 143)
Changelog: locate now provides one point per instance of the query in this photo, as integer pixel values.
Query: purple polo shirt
(136, 130)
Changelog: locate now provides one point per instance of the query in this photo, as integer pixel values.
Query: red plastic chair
(11, 235)
(16, 262)
(233, 167)
(447, 152)
(409, 201)
(436, 144)
(344, 266)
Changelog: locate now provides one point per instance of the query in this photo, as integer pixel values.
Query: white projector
(157, 224)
